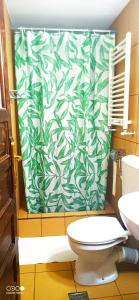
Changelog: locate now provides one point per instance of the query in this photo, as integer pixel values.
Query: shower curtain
(62, 83)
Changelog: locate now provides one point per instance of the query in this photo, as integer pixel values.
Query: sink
(129, 211)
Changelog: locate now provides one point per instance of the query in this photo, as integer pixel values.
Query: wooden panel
(8, 275)
(3, 139)
(7, 229)
(5, 180)
(8, 241)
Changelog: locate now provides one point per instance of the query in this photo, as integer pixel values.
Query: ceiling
(89, 14)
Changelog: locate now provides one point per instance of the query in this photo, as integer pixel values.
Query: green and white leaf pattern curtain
(62, 80)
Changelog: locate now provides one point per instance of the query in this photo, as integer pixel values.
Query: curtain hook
(22, 29)
(22, 32)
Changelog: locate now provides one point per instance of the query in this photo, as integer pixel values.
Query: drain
(78, 296)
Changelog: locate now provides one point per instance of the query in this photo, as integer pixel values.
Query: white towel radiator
(118, 102)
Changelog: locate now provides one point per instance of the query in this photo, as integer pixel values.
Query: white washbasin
(129, 211)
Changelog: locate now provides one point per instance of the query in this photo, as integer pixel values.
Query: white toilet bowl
(93, 239)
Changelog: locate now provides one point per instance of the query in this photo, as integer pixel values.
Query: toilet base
(87, 273)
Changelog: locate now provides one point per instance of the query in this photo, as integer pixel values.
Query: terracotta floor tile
(54, 285)
(27, 281)
(63, 266)
(130, 297)
(108, 298)
(128, 280)
(98, 291)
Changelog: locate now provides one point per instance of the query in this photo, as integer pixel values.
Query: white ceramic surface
(96, 230)
(129, 211)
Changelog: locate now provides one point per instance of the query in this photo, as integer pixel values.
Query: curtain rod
(64, 29)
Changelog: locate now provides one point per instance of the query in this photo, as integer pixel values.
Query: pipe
(128, 255)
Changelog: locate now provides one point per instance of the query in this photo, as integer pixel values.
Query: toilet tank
(130, 174)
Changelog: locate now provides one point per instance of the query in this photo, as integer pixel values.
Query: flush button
(78, 296)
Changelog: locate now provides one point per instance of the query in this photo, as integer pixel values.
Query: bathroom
(36, 259)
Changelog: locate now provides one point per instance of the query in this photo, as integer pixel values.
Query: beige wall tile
(53, 226)
(134, 77)
(27, 269)
(128, 20)
(118, 143)
(34, 216)
(121, 25)
(130, 148)
(75, 213)
(137, 149)
(133, 20)
(22, 213)
(30, 227)
(133, 116)
(53, 215)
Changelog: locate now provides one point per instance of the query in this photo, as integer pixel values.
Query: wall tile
(34, 216)
(134, 77)
(53, 226)
(128, 20)
(121, 25)
(134, 117)
(130, 147)
(53, 215)
(118, 143)
(27, 269)
(133, 20)
(75, 213)
(30, 228)
(137, 149)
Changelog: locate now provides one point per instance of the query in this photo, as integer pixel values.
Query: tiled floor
(54, 281)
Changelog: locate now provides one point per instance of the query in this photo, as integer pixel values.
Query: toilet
(95, 239)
